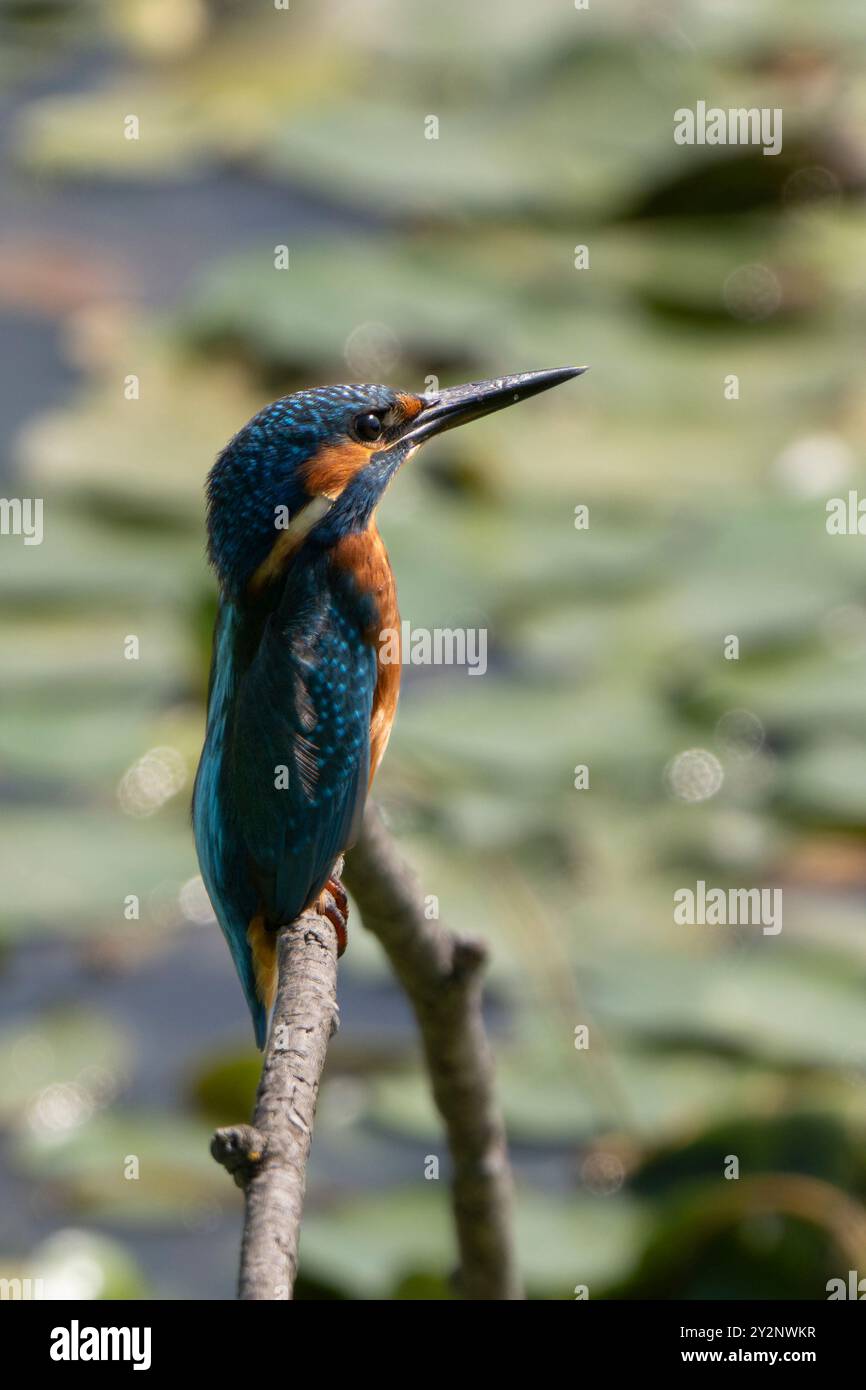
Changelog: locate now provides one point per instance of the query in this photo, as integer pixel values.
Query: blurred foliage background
(127, 1039)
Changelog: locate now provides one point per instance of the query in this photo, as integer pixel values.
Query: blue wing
(283, 777)
(216, 853)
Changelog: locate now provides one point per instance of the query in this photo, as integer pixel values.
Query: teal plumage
(299, 704)
(284, 772)
(285, 767)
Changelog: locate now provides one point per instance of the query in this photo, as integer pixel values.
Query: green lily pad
(83, 1265)
(370, 1247)
(83, 1053)
(133, 1169)
(97, 859)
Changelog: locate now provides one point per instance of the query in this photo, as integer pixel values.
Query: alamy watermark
(852, 1287)
(732, 907)
(22, 516)
(846, 516)
(741, 125)
(77, 1343)
(437, 646)
(24, 1290)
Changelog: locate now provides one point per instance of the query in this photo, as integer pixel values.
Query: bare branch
(268, 1159)
(442, 975)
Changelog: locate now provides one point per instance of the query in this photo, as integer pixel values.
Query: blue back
(284, 772)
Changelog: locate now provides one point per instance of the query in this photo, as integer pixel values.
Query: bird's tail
(263, 946)
(249, 948)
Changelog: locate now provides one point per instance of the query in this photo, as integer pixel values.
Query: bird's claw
(334, 905)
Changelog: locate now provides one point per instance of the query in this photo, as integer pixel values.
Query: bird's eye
(368, 426)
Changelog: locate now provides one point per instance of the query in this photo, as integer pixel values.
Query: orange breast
(364, 554)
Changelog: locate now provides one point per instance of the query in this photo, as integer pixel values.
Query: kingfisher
(300, 699)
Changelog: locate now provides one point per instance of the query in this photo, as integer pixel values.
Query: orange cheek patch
(334, 466)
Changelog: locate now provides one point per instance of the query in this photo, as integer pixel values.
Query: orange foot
(333, 904)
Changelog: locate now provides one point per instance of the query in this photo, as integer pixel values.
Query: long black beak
(459, 404)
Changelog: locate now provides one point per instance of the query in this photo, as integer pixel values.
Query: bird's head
(312, 467)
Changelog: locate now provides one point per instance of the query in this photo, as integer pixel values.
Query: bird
(300, 705)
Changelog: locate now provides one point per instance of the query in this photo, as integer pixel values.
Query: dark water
(184, 1005)
(161, 235)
